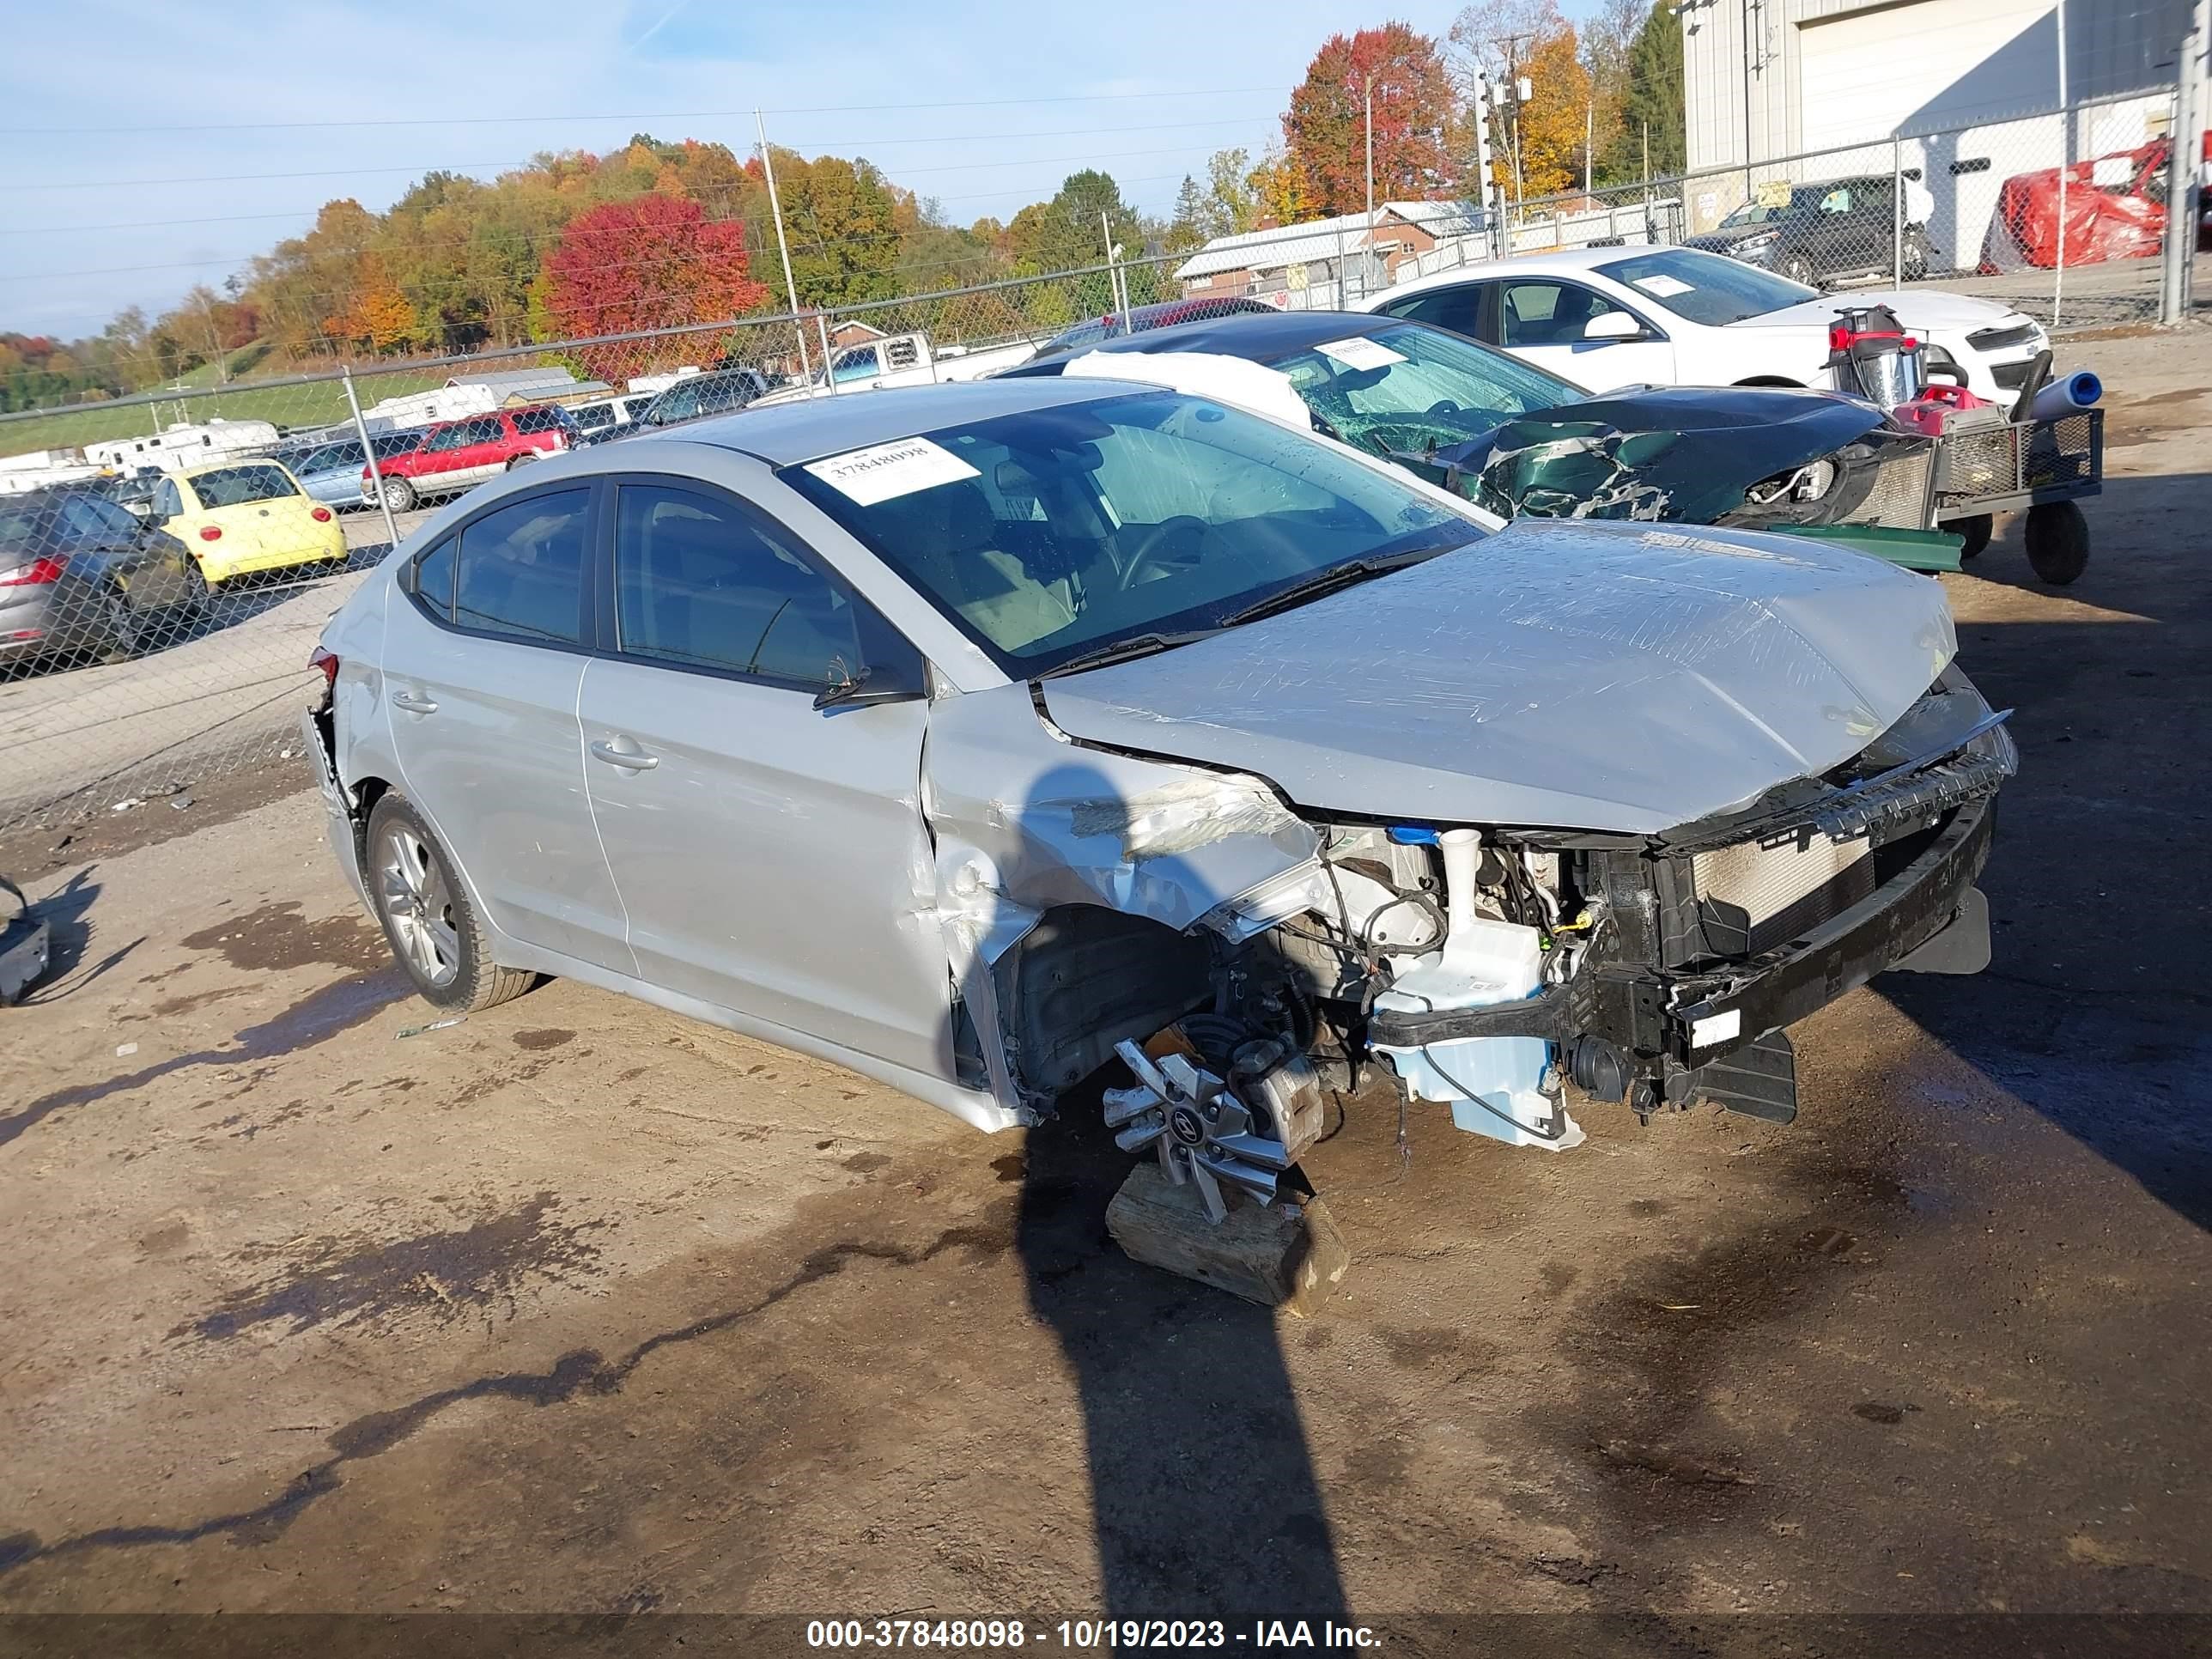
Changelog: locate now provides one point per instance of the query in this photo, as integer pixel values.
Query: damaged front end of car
(1255, 884)
(1244, 958)
(1716, 456)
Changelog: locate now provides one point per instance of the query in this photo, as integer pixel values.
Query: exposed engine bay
(1492, 969)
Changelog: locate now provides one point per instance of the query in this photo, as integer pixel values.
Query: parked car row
(80, 575)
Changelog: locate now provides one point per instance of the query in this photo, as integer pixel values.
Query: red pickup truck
(458, 455)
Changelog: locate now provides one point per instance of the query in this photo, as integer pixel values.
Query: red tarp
(2125, 221)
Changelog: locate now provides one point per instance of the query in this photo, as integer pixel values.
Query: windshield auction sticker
(1663, 287)
(882, 472)
(1360, 352)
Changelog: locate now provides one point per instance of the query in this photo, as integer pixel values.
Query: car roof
(805, 431)
(225, 465)
(1559, 262)
(1254, 335)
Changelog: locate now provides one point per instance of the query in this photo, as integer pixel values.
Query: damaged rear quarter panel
(1026, 821)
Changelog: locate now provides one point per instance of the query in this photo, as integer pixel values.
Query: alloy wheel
(413, 893)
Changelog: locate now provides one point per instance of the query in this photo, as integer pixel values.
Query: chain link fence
(2061, 215)
(169, 560)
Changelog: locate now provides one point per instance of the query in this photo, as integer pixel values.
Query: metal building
(1972, 85)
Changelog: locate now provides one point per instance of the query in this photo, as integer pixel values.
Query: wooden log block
(1264, 1254)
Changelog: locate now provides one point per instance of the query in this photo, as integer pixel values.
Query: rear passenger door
(482, 670)
(770, 853)
(483, 449)
(1459, 308)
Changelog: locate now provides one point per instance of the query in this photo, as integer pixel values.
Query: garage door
(1927, 64)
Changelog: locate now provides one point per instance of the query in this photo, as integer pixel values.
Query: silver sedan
(979, 736)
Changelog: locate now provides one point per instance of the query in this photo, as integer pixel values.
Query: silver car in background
(976, 735)
(331, 474)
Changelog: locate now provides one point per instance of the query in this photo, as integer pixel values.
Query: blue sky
(151, 145)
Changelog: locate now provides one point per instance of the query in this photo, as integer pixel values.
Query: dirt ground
(579, 1307)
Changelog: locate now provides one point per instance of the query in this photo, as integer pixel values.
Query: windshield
(1750, 214)
(238, 486)
(1054, 533)
(1411, 389)
(1706, 287)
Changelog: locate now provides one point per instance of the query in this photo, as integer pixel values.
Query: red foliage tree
(1325, 128)
(654, 261)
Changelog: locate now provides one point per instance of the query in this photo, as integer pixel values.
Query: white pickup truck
(901, 359)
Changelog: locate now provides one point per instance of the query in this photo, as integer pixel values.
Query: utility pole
(790, 288)
(2065, 166)
(2183, 188)
(1486, 191)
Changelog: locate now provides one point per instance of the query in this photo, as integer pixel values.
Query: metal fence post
(2182, 204)
(1897, 211)
(369, 454)
(2065, 164)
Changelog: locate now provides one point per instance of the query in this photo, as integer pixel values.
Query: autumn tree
(655, 261)
(1280, 193)
(843, 223)
(1398, 74)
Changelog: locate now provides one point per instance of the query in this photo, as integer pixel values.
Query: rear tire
(523, 460)
(2057, 542)
(1975, 530)
(428, 917)
(399, 494)
(121, 624)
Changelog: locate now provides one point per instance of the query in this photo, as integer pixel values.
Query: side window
(434, 580)
(1548, 313)
(168, 499)
(1459, 309)
(521, 568)
(487, 430)
(856, 364)
(537, 420)
(445, 438)
(698, 583)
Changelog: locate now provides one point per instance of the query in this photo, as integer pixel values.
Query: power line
(662, 115)
(463, 166)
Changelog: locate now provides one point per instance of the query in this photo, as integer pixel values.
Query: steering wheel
(1444, 406)
(1180, 533)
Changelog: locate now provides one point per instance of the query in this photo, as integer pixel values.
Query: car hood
(1920, 308)
(1716, 241)
(1567, 675)
(1684, 454)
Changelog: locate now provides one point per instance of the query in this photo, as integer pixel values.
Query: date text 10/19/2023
(1073, 1635)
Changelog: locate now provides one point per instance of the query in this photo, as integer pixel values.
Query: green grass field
(318, 405)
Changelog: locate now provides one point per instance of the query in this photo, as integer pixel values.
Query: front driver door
(1543, 320)
(771, 854)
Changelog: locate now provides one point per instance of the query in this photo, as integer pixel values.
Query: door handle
(413, 702)
(630, 760)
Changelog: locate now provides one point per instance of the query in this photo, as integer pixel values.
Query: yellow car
(237, 516)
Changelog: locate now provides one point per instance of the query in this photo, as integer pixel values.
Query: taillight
(328, 665)
(37, 573)
(320, 515)
(210, 532)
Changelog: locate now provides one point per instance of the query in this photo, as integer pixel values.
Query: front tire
(399, 494)
(523, 460)
(1975, 530)
(2057, 542)
(428, 917)
(1798, 269)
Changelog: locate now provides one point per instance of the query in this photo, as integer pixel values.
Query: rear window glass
(240, 486)
(521, 568)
